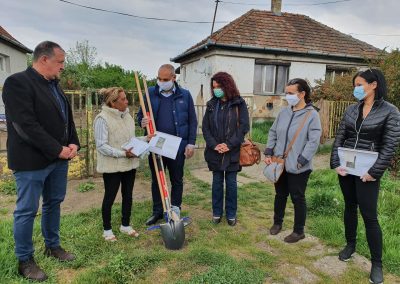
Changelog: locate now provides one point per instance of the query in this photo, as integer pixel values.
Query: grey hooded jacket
(306, 145)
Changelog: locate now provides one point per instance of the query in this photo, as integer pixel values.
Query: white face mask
(292, 100)
(165, 86)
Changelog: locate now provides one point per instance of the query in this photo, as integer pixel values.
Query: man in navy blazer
(174, 113)
(41, 139)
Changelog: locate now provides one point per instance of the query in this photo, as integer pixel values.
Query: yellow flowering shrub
(77, 167)
(4, 170)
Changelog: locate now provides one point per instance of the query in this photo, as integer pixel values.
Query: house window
(4, 63)
(334, 71)
(270, 79)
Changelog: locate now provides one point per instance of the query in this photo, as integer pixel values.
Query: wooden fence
(87, 104)
(331, 113)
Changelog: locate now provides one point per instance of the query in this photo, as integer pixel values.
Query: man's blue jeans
(51, 183)
(218, 194)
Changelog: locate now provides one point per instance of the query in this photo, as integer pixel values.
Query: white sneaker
(128, 231)
(109, 236)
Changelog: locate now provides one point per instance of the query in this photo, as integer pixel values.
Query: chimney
(276, 6)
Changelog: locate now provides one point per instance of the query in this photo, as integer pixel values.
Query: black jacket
(233, 136)
(380, 132)
(35, 125)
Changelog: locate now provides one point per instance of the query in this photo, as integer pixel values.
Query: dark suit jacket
(35, 125)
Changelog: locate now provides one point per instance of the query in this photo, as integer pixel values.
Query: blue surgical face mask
(359, 93)
(218, 92)
(292, 99)
(165, 86)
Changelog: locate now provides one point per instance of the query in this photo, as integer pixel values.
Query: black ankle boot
(376, 276)
(346, 253)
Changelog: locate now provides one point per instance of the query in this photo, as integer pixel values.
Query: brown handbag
(250, 154)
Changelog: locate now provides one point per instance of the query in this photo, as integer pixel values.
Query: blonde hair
(110, 94)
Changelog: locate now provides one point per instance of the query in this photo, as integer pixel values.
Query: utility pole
(215, 14)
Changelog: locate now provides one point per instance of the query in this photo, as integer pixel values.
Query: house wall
(15, 62)
(199, 72)
(241, 66)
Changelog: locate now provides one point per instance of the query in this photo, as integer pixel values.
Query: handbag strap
(237, 115)
(296, 134)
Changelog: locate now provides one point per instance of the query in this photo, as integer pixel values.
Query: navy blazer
(35, 125)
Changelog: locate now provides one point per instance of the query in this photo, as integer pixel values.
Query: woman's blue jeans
(230, 195)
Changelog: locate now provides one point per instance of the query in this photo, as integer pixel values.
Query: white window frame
(2, 63)
(264, 92)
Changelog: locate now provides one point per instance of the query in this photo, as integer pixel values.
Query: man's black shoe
(346, 253)
(153, 219)
(30, 270)
(376, 276)
(294, 238)
(275, 229)
(59, 253)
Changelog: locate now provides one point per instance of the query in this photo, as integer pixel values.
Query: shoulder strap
(296, 134)
(237, 114)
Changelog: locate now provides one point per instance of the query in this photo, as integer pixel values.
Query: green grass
(325, 210)
(212, 253)
(260, 131)
(8, 186)
(86, 186)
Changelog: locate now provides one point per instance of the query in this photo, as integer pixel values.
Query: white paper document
(356, 162)
(165, 145)
(139, 146)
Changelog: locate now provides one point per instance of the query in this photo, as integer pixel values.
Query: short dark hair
(302, 86)
(45, 48)
(374, 75)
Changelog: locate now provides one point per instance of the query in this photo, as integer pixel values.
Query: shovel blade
(173, 234)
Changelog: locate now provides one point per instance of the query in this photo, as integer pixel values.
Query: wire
(374, 34)
(288, 4)
(139, 17)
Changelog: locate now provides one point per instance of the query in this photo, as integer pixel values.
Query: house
(262, 50)
(13, 59)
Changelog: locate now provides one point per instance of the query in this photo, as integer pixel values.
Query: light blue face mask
(165, 86)
(218, 92)
(359, 93)
(292, 99)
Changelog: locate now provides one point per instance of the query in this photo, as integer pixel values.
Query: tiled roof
(291, 33)
(5, 36)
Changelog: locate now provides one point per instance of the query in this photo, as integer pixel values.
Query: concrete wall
(200, 71)
(15, 62)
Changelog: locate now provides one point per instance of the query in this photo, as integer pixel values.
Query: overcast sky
(139, 44)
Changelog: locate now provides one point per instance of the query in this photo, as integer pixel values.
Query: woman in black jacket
(373, 124)
(225, 123)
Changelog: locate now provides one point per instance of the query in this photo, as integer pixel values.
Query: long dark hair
(374, 75)
(227, 84)
(302, 86)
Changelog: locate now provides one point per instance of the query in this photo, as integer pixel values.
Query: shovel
(172, 232)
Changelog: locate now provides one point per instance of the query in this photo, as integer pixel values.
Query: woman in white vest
(113, 127)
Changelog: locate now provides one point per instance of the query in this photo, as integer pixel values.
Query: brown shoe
(30, 270)
(59, 253)
(275, 229)
(294, 237)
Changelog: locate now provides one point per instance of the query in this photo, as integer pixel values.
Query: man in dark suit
(41, 139)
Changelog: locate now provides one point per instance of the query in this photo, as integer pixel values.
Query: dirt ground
(76, 201)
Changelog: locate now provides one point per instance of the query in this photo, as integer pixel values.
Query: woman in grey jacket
(298, 163)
